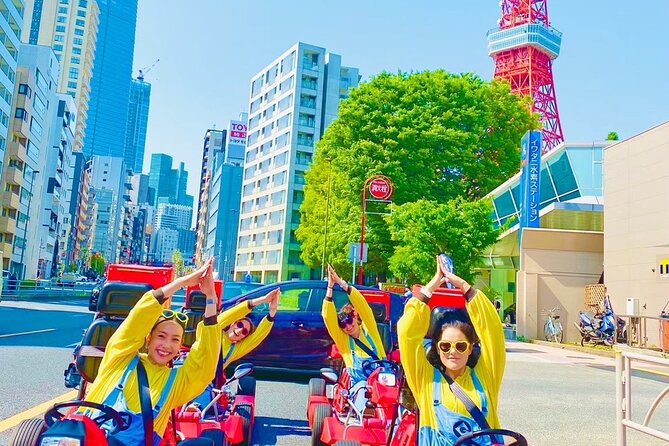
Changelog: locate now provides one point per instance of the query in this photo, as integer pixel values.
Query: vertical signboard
(530, 180)
(236, 141)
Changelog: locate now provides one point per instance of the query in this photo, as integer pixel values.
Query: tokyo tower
(523, 48)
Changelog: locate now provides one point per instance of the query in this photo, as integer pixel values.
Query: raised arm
(252, 341)
(329, 313)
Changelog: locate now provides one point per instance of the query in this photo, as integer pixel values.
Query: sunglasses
(345, 321)
(244, 330)
(450, 346)
(180, 317)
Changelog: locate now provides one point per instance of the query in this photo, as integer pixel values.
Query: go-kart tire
(27, 433)
(245, 411)
(218, 437)
(347, 443)
(316, 387)
(321, 412)
(247, 386)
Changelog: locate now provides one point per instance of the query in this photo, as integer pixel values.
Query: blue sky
(612, 73)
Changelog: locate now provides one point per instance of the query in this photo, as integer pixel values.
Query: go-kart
(335, 412)
(227, 418)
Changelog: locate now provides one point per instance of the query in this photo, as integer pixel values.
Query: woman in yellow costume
(443, 416)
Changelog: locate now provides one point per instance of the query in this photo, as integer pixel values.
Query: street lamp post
(327, 215)
(25, 227)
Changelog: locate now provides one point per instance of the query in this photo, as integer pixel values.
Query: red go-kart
(331, 412)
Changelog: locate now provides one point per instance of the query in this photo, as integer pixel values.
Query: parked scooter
(601, 328)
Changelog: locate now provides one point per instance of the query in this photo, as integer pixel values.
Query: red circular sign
(381, 188)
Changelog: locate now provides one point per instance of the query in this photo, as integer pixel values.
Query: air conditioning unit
(633, 306)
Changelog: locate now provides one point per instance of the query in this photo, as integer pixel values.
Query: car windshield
(234, 289)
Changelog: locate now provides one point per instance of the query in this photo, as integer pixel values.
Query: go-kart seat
(114, 303)
(384, 332)
(194, 309)
(379, 310)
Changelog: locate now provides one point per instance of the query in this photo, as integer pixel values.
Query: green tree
(436, 135)
(422, 229)
(178, 262)
(612, 136)
(98, 263)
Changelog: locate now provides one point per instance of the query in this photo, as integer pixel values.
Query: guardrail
(624, 358)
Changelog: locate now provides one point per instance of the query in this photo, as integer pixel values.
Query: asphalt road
(552, 396)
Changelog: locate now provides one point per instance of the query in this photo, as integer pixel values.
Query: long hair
(458, 319)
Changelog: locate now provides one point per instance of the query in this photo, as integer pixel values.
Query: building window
(83, 3)
(81, 13)
(78, 41)
(78, 32)
(59, 38)
(25, 90)
(73, 73)
(60, 28)
(75, 60)
(21, 113)
(35, 127)
(62, 10)
(58, 47)
(61, 19)
(80, 22)
(71, 84)
(76, 50)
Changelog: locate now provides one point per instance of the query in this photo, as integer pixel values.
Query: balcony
(17, 149)
(10, 200)
(14, 176)
(21, 128)
(6, 249)
(8, 225)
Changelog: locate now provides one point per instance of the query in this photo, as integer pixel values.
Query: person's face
(164, 342)
(350, 326)
(239, 330)
(455, 358)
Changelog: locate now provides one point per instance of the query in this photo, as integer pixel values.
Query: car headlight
(387, 379)
(60, 441)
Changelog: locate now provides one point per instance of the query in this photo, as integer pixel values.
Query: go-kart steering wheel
(55, 415)
(368, 367)
(465, 439)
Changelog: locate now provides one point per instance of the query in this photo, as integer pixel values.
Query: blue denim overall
(207, 396)
(134, 434)
(355, 372)
(451, 425)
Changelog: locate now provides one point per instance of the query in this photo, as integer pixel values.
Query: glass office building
(110, 85)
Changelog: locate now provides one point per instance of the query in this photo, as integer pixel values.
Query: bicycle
(553, 327)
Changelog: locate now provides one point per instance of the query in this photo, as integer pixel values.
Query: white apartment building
(292, 101)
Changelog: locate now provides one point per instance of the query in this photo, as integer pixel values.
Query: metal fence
(624, 358)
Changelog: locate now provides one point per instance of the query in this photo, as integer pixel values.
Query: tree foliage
(423, 229)
(178, 262)
(98, 263)
(436, 135)
(612, 136)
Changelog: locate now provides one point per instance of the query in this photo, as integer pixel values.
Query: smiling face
(164, 342)
(239, 330)
(454, 360)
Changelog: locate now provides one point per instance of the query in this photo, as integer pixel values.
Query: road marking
(654, 372)
(72, 345)
(36, 411)
(23, 333)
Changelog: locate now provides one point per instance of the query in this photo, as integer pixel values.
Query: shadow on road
(267, 430)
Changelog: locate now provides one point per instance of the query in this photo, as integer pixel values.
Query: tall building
(34, 110)
(292, 101)
(171, 224)
(107, 183)
(54, 230)
(138, 116)
(224, 196)
(169, 184)
(71, 29)
(110, 85)
(81, 210)
(11, 21)
(214, 141)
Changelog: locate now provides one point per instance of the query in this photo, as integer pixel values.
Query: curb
(576, 348)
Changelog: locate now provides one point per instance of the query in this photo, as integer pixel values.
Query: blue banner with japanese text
(530, 180)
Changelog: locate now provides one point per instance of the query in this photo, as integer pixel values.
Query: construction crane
(145, 70)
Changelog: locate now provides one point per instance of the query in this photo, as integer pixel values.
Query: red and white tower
(524, 47)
